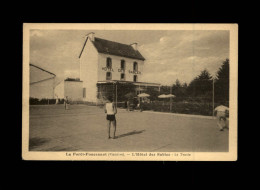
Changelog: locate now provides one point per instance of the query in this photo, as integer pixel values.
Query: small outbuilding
(70, 87)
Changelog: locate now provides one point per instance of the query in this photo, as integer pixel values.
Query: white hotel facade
(103, 62)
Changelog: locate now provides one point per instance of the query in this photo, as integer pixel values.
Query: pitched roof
(115, 48)
(38, 74)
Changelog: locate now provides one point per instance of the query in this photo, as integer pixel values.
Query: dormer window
(109, 63)
(123, 65)
(135, 66)
(109, 76)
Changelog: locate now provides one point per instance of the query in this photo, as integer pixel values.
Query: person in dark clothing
(126, 105)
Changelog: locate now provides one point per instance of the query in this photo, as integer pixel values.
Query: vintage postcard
(128, 92)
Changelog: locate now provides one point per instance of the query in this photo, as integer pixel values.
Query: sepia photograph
(150, 92)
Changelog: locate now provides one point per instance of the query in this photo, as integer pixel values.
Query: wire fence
(187, 100)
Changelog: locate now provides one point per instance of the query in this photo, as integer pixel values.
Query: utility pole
(116, 94)
(171, 99)
(213, 98)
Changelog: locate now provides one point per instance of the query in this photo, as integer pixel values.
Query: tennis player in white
(111, 111)
(222, 117)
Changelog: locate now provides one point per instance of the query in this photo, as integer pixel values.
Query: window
(84, 92)
(109, 76)
(109, 63)
(135, 66)
(135, 78)
(122, 76)
(122, 64)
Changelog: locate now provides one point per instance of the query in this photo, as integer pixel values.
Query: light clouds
(183, 55)
(170, 55)
(71, 73)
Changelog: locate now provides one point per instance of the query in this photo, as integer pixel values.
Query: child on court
(111, 111)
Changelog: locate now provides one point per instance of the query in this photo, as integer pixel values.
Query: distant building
(103, 62)
(69, 87)
(41, 83)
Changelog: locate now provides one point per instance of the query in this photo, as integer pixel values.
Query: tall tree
(222, 82)
(201, 86)
(185, 85)
(177, 83)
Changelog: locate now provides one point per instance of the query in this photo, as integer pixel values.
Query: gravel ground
(83, 128)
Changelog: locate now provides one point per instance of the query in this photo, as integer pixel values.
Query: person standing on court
(66, 102)
(57, 99)
(222, 114)
(111, 111)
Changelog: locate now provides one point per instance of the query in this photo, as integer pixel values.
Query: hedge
(44, 101)
(196, 108)
(184, 107)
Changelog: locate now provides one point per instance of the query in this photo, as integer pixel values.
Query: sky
(169, 54)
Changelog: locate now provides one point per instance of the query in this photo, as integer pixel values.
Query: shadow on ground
(130, 133)
(36, 142)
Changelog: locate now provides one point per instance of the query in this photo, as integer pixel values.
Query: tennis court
(83, 128)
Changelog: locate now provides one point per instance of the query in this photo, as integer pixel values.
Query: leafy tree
(179, 90)
(153, 92)
(123, 89)
(165, 90)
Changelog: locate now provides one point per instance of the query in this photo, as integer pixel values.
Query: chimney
(134, 45)
(91, 36)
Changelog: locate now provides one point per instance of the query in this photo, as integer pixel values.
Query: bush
(36, 101)
(93, 103)
(121, 104)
